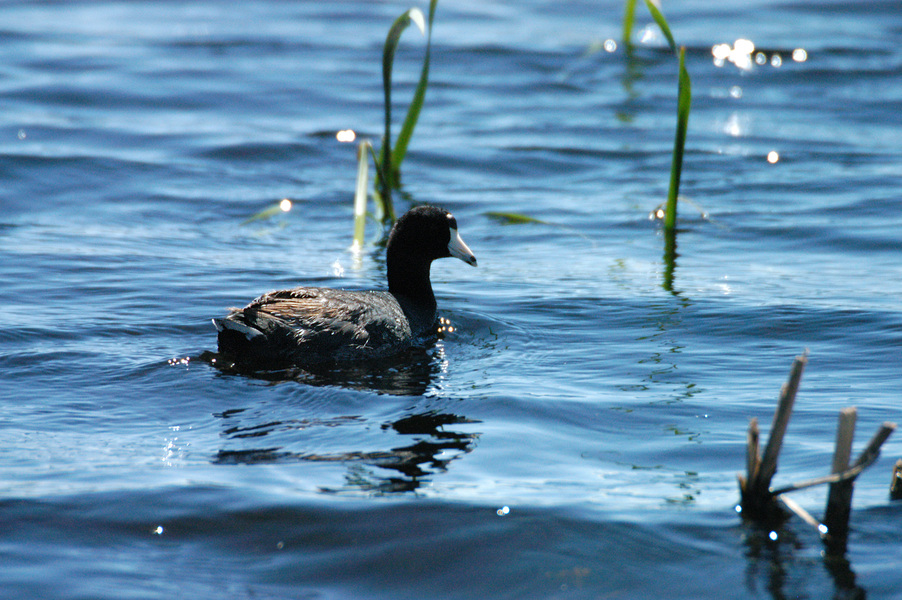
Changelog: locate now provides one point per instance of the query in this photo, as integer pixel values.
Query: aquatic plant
(662, 22)
(364, 148)
(509, 218)
(629, 20)
(388, 162)
(388, 165)
(684, 103)
(282, 206)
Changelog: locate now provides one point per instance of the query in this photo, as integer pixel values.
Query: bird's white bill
(459, 249)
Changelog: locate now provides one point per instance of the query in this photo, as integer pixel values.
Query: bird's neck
(409, 276)
(408, 281)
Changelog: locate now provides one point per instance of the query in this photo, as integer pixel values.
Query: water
(577, 435)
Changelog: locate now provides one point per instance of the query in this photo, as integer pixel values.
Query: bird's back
(313, 325)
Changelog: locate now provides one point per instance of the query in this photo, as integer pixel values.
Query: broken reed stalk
(839, 497)
(839, 502)
(781, 421)
(872, 450)
(758, 502)
(865, 460)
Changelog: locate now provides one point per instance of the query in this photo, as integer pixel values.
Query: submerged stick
(839, 498)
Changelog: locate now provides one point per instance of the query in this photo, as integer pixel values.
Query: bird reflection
(422, 443)
(398, 469)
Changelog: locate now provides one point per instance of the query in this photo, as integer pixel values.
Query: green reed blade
(506, 218)
(684, 103)
(414, 15)
(416, 104)
(279, 207)
(629, 19)
(662, 23)
(363, 161)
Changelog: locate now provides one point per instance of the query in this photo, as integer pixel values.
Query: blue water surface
(578, 433)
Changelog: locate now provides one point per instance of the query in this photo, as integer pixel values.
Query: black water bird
(310, 325)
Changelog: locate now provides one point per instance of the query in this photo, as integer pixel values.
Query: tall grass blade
(629, 19)
(684, 103)
(416, 104)
(363, 161)
(385, 169)
(662, 23)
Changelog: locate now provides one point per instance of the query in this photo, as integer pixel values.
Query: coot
(309, 325)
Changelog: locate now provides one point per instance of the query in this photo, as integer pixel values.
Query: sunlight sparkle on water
(735, 125)
(743, 54)
(610, 45)
(445, 326)
(346, 135)
(773, 156)
(285, 205)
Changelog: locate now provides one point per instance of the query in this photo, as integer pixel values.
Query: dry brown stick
(839, 498)
(757, 501)
(865, 460)
(752, 451)
(872, 450)
(798, 510)
(768, 466)
(846, 475)
(845, 431)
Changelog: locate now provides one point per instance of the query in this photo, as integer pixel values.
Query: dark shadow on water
(670, 256)
(420, 444)
(771, 564)
(407, 374)
(427, 448)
